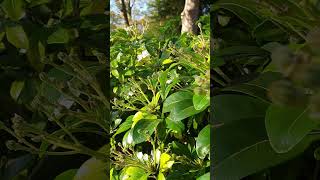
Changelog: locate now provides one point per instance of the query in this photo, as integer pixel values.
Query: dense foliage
(266, 94)
(53, 88)
(160, 103)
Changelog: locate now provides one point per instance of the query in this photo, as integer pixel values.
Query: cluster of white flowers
(142, 157)
(143, 55)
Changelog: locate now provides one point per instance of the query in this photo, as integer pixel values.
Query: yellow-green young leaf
(15, 9)
(204, 177)
(165, 162)
(137, 117)
(135, 173)
(16, 88)
(167, 61)
(66, 175)
(161, 176)
(115, 73)
(155, 99)
(92, 169)
(17, 37)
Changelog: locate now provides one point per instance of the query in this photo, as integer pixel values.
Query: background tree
(189, 16)
(125, 6)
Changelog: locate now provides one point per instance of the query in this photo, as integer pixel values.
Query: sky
(140, 5)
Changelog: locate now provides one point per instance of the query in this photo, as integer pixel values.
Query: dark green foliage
(264, 57)
(54, 100)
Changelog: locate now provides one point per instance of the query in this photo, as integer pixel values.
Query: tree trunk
(189, 16)
(125, 12)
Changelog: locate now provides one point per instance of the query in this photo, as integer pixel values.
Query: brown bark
(125, 12)
(189, 16)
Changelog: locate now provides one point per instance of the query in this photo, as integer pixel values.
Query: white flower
(157, 156)
(23, 51)
(179, 67)
(140, 155)
(130, 93)
(143, 55)
(145, 157)
(130, 138)
(169, 81)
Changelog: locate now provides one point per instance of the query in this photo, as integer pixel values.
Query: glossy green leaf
(135, 173)
(175, 126)
(17, 36)
(59, 36)
(16, 88)
(204, 177)
(200, 102)
(143, 130)
(287, 126)
(203, 142)
(66, 175)
(255, 158)
(258, 87)
(226, 110)
(180, 106)
(14, 9)
(161, 176)
(125, 125)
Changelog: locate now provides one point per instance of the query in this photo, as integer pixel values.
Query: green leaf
(204, 177)
(67, 7)
(43, 148)
(92, 169)
(165, 162)
(17, 36)
(258, 87)
(179, 105)
(203, 142)
(16, 88)
(14, 9)
(135, 173)
(255, 158)
(143, 130)
(124, 126)
(200, 102)
(226, 110)
(161, 176)
(35, 53)
(60, 36)
(287, 126)
(67, 175)
(175, 126)
(167, 61)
